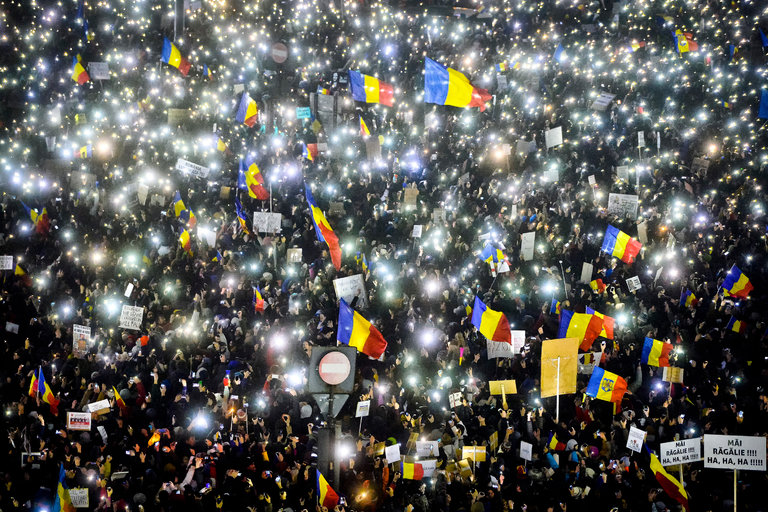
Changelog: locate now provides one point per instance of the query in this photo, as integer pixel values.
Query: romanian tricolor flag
(221, 146)
(119, 400)
(207, 72)
(655, 352)
(618, 243)
(608, 323)
(555, 308)
(369, 89)
(62, 503)
(247, 111)
(688, 299)
(684, 42)
(356, 331)
(606, 386)
(446, 86)
(22, 274)
(79, 74)
(491, 324)
(597, 285)
(309, 151)
(584, 326)
(172, 56)
(412, 470)
(241, 218)
(326, 496)
(324, 230)
(634, 46)
(501, 67)
(185, 242)
(254, 181)
(182, 212)
(44, 390)
(364, 127)
(258, 301)
(85, 151)
(737, 326)
(671, 486)
(554, 443)
(737, 284)
(33, 385)
(40, 220)
(492, 254)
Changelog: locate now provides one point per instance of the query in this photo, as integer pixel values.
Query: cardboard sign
(78, 421)
(409, 196)
(303, 113)
(363, 409)
(417, 229)
(553, 137)
(642, 232)
(636, 439)
(526, 451)
(79, 498)
(680, 452)
(586, 273)
(623, 205)
(348, 288)
(294, 255)
(6, 263)
(560, 355)
(672, 374)
(699, 166)
(392, 453)
(496, 349)
(98, 70)
(189, 168)
(131, 317)
(527, 244)
(734, 452)
(81, 335)
(633, 283)
(267, 222)
(493, 441)
(427, 448)
(99, 407)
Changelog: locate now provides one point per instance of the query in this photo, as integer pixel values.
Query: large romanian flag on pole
(369, 89)
(618, 243)
(446, 86)
(172, 56)
(44, 391)
(670, 484)
(737, 283)
(324, 230)
(326, 496)
(247, 111)
(356, 331)
(584, 326)
(63, 502)
(491, 324)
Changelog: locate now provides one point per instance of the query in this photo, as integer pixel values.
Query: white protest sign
(518, 341)
(98, 70)
(734, 452)
(680, 452)
(98, 406)
(623, 205)
(553, 137)
(454, 399)
(586, 273)
(267, 222)
(622, 172)
(79, 498)
(640, 139)
(636, 439)
(6, 262)
(348, 288)
(392, 453)
(206, 234)
(498, 349)
(633, 283)
(550, 176)
(503, 267)
(602, 101)
(12, 327)
(363, 409)
(131, 317)
(294, 255)
(102, 433)
(642, 232)
(187, 167)
(428, 466)
(526, 451)
(416, 233)
(527, 242)
(128, 290)
(81, 335)
(591, 179)
(427, 448)
(78, 420)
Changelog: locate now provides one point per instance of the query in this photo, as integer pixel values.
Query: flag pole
(557, 396)
(681, 475)
(565, 289)
(735, 486)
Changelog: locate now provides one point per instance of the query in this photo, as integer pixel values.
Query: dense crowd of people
(207, 401)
